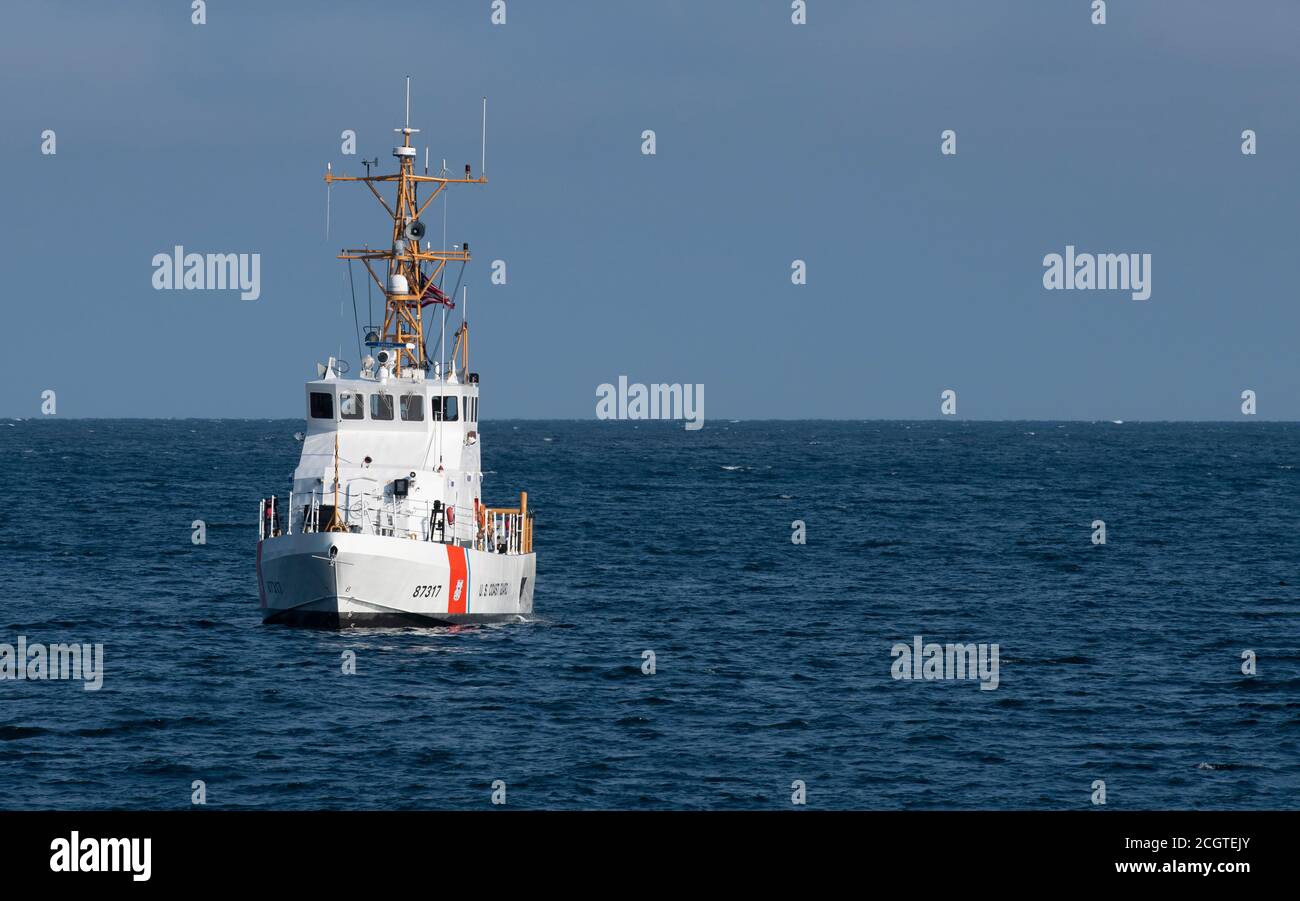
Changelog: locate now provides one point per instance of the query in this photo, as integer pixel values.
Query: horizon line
(725, 419)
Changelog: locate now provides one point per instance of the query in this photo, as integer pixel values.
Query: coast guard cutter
(385, 522)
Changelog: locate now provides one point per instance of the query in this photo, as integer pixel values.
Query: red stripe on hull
(458, 584)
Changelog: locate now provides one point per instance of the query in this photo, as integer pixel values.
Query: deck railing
(509, 529)
(268, 519)
(504, 530)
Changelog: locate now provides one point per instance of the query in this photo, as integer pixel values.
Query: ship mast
(411, 272)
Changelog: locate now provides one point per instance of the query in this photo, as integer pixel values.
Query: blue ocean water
(1120, 662)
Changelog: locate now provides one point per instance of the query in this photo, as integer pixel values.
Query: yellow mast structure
(403, 313)
(336, 523)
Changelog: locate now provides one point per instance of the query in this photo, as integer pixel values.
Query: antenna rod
(482, 166)
(329, 168)
(464, 327)
(442, 373)
(408, 101)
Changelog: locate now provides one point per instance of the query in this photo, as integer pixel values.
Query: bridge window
(413, 408)
(322, 405)
(381, 406)
(352, 406)
(444, 408)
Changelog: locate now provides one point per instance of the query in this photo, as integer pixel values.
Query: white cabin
(407, 448)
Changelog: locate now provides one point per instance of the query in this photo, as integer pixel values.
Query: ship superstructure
(385, 522)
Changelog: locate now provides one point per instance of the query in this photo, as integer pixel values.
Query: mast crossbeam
(408, 287)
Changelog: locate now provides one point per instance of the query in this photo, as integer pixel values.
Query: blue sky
(775, 142)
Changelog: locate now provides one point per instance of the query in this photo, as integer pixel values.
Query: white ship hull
(377, 580)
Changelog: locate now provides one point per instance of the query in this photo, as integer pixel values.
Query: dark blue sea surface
(1120, 662)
